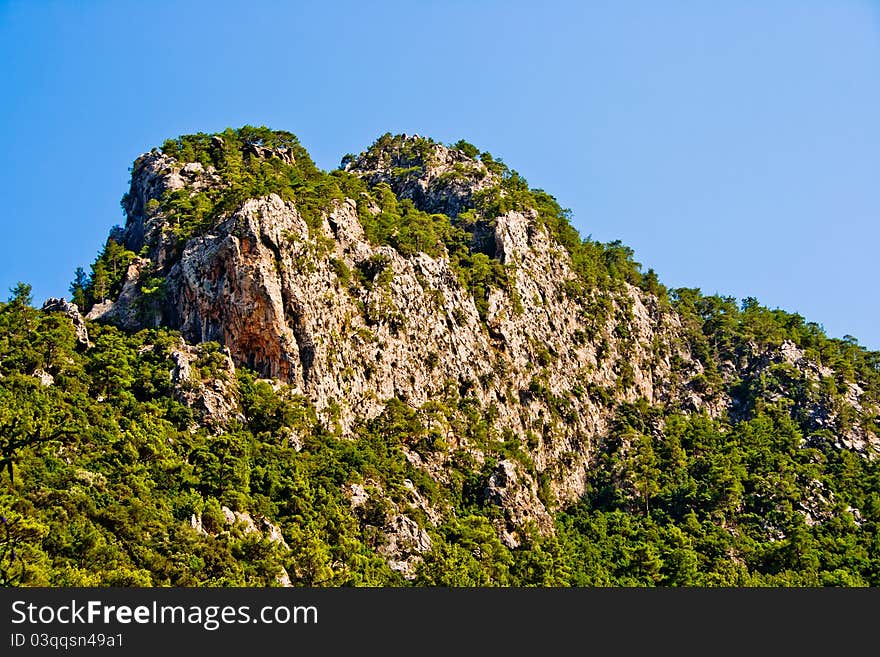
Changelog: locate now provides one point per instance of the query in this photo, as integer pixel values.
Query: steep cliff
(275, 291)
(425, 296)
(351, 322)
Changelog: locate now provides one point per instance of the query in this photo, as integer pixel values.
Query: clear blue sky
(734, 145)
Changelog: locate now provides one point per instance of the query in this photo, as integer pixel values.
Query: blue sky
(734, 145)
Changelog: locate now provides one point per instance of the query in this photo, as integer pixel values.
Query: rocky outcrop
(127, 311)
(546, 365)
(518, 500)
(787, 374)
(43, 377)
(249, 525)
(208, 389)
(258, 525)
(401, 541)
(153, 176)
(434, 177)
(269, 289)
(54, 304)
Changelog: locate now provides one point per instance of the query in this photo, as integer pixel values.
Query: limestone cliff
(306, 297)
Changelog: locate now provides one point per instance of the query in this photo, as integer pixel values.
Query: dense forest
(110, 478)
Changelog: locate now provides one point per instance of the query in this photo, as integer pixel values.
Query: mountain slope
(419, 350)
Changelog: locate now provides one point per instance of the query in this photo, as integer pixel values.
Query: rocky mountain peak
(435, 177)
(429, 278)
(335, 286)
(414, 368)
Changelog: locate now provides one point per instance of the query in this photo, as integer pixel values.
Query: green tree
(21, 296)
(78, 287)
(100, 283)
(644, 473)
(30, 416)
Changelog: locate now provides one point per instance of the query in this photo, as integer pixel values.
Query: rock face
(548, 364)
(794, 376)
(447, 185)
(212, 396)
(401, 540)
(260, 284)
(259, 526)
(518, 500)
(43, 377)
(54, 304)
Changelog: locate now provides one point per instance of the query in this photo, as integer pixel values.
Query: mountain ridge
(260, 261)
(423, 297)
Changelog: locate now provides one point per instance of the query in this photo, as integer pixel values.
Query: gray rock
(518, 498)
(264, 285)
(445, 181)
(215, 398)
(405, 543)
(551, 362)
(403, 539)
(56, 304)
(43, 377)
(127, 311)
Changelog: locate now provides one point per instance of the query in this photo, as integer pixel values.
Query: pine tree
(78, 287)
(100, 283)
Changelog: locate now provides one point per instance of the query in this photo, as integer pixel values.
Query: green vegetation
(106, 277)
(102, 476)
(251, 162)
(684, 500)
(107, 478)
(718, 329)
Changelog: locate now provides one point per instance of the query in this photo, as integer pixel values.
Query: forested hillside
(412, 370)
